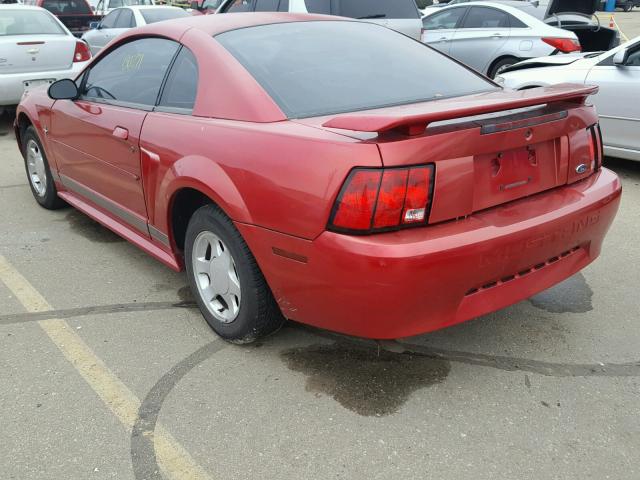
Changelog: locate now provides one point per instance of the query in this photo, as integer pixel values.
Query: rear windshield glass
(28, 22)
(321, 68)
(67, 7)
(159, 14)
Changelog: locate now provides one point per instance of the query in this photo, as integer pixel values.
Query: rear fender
(201, 174)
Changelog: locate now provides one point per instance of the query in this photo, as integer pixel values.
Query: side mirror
(620, 58)
(94, 25)
(65, 89)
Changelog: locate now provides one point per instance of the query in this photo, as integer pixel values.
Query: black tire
(500, 64)
(258, 313)
(628, 6)
(49, 199)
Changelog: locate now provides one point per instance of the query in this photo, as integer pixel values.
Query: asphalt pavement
(108, 371)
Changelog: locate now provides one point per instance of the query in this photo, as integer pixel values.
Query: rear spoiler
(413, 119)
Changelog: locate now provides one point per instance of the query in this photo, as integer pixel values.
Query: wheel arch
(190, 184)
(499, 59)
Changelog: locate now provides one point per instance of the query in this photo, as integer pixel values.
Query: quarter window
(182, 83)
(132, 73)
(483, 17)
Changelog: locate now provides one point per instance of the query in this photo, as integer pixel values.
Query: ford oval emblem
(581, 168)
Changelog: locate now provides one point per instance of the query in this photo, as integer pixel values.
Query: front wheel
(38, 171)
(227, 283)
(628, 6)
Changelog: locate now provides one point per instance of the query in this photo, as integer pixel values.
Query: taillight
(374, 200)
(82, 52)
(595, 146)
(565, 45)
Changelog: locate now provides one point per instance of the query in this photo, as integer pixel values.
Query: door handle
(121, 133)
(443, 39)
(496, 35)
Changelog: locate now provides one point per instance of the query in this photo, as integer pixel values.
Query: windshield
(28, 22)
(128, 3)
(321, 68)
(154, 15)
(67, 7)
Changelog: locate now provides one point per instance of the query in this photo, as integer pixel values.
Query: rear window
(321, 68)
(154, 15)
(28, 22)
(365, 8)
(67, 7)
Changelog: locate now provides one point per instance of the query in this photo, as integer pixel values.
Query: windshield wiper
(375, 15)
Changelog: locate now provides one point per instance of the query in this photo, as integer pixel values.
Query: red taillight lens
(595, 146)
(565, 45)
(82, 52)
(378, 200)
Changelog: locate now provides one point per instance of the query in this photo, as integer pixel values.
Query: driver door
(439, 28)
(96, 137)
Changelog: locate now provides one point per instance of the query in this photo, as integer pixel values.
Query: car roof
(507, 7)
(18, 6)
(219, 23)
(149, 7)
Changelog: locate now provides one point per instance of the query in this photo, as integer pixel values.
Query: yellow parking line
(174, 460)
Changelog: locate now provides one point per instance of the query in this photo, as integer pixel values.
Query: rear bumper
(12, 84)
(415, 281)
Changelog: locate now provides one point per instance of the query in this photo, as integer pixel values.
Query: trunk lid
(36, 53)
(488, 149)
(584, 7)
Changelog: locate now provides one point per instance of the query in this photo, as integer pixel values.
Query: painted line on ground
(174, 460)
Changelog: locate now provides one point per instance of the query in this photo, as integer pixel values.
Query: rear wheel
(628, 6)
(229, 287)
(38, 171)
(499, 66)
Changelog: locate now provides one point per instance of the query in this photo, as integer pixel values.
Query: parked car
(76, 15)
(400, 15)
(287, 162)
(626, 5)
(491, 36)
(35, 49)
(122, 19)
(106, 6)
(616, 72)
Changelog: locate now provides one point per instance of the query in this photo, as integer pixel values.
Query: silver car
(616, 72)
(35, 49)
(122, 19)
(400, 15)
(490, 37)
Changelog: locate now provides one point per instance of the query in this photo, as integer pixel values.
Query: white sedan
(122, 19)
(616, 72)
(35, 49)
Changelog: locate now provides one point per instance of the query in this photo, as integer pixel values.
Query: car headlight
(499, 80)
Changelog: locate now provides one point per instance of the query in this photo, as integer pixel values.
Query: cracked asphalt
(108, 371)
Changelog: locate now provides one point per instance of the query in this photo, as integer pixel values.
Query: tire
(501, 64)
(628, 7)
(38, 172)
(246, 310)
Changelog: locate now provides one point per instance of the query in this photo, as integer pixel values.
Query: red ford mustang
(329, 171)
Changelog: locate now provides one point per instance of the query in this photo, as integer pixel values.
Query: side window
(182, 83)
(266, 5)
(116, 3)
(240, 6)
(633, 60)
(132, 73)
(484, 17)
(125, 20)
(283, 6)
(110, 20)
(446, 20)
(516, 23)
(318, 6)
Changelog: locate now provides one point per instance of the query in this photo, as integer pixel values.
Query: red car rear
(328, 171)
(76, 15)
